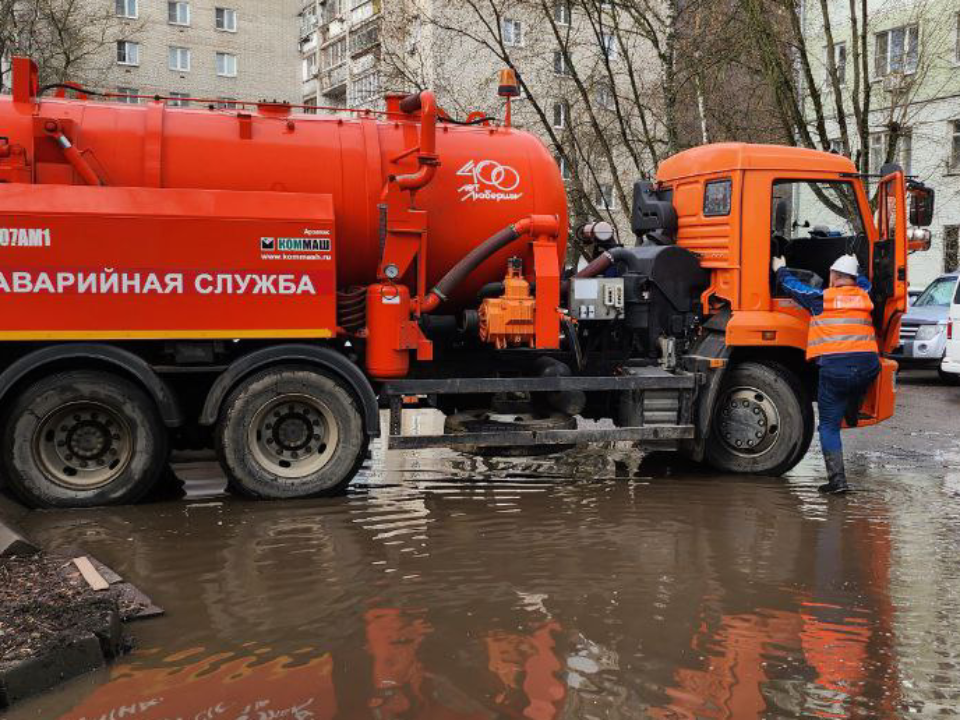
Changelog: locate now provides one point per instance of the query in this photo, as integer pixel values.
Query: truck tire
(290, 432)
(806, 406)
(760, 425)
(83, 439)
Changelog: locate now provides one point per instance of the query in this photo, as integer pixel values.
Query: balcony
(364, 37)
(364, 11)
(333, 79)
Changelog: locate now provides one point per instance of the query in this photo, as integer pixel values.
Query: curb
(12, 540)
(92, 650)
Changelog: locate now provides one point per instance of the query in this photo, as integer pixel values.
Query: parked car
(913, 294)
(923, 331)
(950, 367)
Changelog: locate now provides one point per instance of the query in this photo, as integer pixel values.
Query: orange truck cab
(738, 205)
(264, 280)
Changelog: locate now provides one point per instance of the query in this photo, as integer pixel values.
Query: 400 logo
(489, 180)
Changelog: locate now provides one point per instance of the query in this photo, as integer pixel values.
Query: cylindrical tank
(489, 177)
(388, 307)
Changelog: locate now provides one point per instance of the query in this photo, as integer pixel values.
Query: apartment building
(211, 49)
(353, 51)
(340, 46)
(913, 49)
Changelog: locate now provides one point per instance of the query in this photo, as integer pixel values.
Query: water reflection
(601, 591)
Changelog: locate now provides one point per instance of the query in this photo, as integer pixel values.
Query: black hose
(472, 260)
(67, 86)
(465, 123)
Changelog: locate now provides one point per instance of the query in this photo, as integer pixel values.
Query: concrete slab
(13, 542)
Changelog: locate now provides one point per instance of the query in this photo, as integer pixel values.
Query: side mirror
(921, 205)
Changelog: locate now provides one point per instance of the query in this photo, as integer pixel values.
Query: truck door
(889, 261)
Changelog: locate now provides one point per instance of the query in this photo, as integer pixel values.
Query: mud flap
(711, 357)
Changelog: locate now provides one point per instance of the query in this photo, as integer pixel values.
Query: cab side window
(812, 223)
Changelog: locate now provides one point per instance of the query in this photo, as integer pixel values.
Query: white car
(950, 367)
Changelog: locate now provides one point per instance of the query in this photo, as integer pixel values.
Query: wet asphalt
(596, 584)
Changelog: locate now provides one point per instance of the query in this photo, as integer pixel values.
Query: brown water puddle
(592, 586)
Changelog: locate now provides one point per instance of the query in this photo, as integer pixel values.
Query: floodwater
(595, 585)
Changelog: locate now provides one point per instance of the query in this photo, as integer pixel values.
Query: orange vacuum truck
(265, 281)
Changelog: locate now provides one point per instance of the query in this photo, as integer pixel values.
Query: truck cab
(739, 205)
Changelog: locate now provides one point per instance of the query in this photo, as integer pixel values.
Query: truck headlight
(926, 333)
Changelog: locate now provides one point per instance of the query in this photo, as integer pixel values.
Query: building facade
(211, 49)
(913, 71)
(590, 97)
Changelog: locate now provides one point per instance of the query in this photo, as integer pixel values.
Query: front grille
(908, 332)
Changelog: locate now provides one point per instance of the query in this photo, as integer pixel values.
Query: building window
(605, 96)
(333, 54)
(226, 65)
(840, 60)
(608, 46)
(560, 63)
(956, 44)
(605, 198)
(560, 115)
(178, 13)
(955, 146)
(178, 99)
(512, 32)
(880, 144)
(226, 19)
(311, 105)
(179, 59)
(127, 8)
(226, 103)
(365, 88)
(309, 67)
(128, 53)
(565, 172)
(561, 12)
(896, 51)
(128, 95)
(951, 249)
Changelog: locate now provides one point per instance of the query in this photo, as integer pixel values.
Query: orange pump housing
(325, 172)
(509, 320)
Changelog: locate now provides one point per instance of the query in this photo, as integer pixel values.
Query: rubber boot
(836, 476)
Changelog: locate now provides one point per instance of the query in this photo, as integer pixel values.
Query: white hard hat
(846, 264)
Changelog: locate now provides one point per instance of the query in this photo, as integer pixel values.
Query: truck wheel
(806, 406)
(290, 433)
(759, 425)
(83, 439)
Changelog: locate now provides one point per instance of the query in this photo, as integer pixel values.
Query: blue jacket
(808, 297)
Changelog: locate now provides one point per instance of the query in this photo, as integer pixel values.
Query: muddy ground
(592, 585)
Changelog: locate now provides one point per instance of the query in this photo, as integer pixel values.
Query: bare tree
(838, 93)
(68, 39)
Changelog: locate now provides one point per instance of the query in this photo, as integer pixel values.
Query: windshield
(939, 293)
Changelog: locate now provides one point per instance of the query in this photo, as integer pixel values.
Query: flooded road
(594, 585)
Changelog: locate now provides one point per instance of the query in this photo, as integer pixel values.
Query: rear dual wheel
(83, 439)
(289, 433)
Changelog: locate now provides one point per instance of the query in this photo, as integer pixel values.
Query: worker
(843, 342)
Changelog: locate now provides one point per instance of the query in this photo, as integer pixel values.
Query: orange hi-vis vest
(844, 326)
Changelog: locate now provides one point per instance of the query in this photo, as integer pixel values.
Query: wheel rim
(748, 421)
(293, 435)
(83, 445)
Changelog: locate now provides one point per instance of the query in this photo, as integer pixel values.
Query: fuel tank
(489, 176)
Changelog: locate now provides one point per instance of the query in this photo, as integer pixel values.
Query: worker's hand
(778, 262)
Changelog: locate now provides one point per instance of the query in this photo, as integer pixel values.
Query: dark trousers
(843, 378)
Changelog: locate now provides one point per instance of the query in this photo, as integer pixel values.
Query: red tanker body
(264, 282)
(489, 176)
